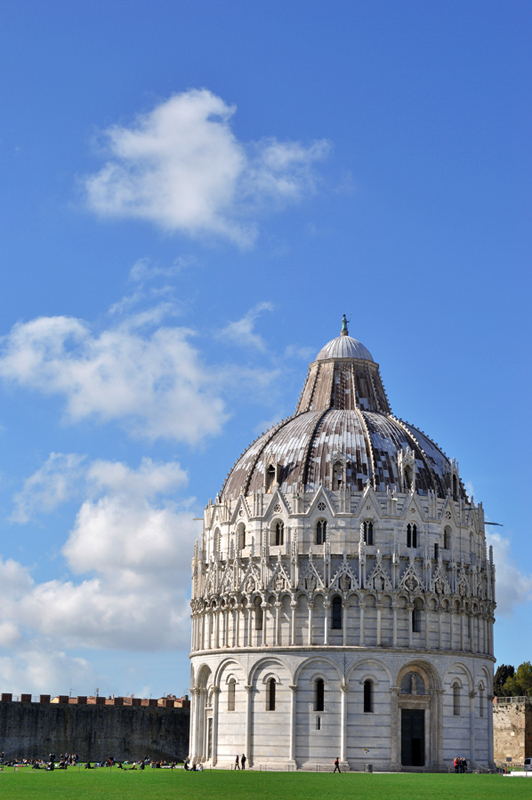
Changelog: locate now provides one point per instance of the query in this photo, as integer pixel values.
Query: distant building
(342, 594)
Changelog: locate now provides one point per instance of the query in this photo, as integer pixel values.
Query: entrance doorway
(412, 737)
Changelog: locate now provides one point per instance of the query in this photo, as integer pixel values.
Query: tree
(522, 683)
(504, 672)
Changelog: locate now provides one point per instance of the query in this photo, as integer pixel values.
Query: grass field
(222, 785)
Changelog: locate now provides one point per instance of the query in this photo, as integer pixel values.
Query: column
(362, 606)
(427, 628)
(451, 628)
(293, 607)
(326, 623)
(293, 723)
(310, 607)
(343, 722)
(472, 725)
(394, 609)
(217, 629)
(277, 606)
(379, 623)
(224, 628)
(250, 625)
(344, 623)
(440, 634)
(439, 721)
(209, 629)
(265, 608)
(249, 737)
(462, 632)
(489, 711)
(215, 696)
(237, 632)
(193, 722)
(395, 729)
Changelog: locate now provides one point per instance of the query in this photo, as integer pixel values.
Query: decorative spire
(344, 331)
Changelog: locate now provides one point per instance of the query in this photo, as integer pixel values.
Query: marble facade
(342, 592)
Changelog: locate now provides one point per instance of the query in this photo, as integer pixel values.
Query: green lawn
(222, 785)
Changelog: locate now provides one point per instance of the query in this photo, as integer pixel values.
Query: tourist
(237, 763)
(336, 765)
(243, 761)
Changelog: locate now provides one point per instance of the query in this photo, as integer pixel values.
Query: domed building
(342, 595)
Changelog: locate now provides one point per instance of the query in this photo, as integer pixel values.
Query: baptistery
(342, 593)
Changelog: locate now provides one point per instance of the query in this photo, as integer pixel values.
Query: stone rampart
(94, 728)
(512, 729)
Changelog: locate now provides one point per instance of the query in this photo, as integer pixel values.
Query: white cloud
(132, 541)
(154, 382)
(242, 332)
(512, 586)
(181, 167)
(54, 483)
(37, 669)
(144, 270)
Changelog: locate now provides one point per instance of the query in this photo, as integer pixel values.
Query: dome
(344, 347)
(343, 422)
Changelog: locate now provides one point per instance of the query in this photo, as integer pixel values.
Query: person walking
(337, 766)
(237, 763)
(243, 761)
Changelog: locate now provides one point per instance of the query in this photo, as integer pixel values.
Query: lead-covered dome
(342, 435)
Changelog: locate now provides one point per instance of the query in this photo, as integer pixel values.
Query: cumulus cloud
(154, 382)
(132, 542)
(242, 332)
(181, 167)
(36, 669)
(513, 586)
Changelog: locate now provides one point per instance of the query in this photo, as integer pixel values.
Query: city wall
(512, 729)
(94, 728)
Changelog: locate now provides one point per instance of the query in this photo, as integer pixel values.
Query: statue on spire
(344, 331)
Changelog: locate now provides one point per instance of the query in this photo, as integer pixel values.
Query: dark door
(412, 737)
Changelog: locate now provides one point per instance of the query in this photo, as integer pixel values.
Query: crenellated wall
(94, 731)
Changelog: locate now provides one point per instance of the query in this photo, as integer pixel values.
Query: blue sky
(191, 196)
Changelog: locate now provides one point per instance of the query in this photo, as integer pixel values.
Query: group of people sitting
(460, 764)
(192, 767)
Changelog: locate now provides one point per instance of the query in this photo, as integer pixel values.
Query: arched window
(270, 695)
(447, 539)
(336, 622)
(231, 691)
(217, 541)
(456, 700)
(436, 550)
(279, 533)
(411, 535)
(368, 697)
(242, 537)
(408, 478)
(416, 620)
(258, 614)
(319, 697)
(455, 488)
(270, 478)
(338, 476)
(481, 700)
(368, 532)
(321, 531)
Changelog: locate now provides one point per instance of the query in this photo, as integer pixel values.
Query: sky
(191, 196)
